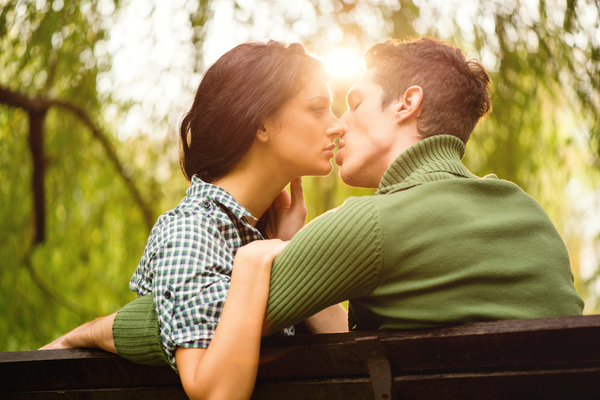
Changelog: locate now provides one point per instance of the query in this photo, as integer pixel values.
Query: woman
(261, 118)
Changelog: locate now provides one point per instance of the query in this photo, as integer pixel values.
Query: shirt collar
(417, 164)
(199, 188)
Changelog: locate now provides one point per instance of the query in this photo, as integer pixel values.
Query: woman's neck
(254, 184)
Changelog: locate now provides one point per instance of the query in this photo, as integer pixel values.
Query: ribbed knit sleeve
(336, 257)
(136, 333)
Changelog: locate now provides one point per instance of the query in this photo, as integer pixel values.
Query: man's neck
(405, 140)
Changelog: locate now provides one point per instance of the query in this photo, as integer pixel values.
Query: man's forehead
(365, 84)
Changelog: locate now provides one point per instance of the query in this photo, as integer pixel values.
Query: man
(436, 245)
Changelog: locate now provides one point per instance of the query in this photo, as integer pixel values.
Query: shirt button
(167, 295)
(206, 204)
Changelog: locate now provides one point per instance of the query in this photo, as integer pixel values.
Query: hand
(56, 344)
(287, 214)
(330, 320)
(257, 254)
(96, 333)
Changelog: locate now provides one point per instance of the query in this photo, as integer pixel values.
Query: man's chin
(347, 177)
(356, 178)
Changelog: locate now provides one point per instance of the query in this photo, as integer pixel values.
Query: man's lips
(338, 155)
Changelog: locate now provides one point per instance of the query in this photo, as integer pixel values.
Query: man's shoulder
(458, 200)
(355, 217)
(352, 207)
(489, 184)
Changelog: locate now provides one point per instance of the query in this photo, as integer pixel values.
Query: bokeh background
(91, 93)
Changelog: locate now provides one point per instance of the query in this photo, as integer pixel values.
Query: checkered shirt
(187, 264)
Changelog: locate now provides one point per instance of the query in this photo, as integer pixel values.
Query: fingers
(53, 345)
(279, 245)
(272, 246)
(297, 193)
(282, 201)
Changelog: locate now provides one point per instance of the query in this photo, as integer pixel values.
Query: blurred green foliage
(543, 133)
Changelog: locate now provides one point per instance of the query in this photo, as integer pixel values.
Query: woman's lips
(329, 150)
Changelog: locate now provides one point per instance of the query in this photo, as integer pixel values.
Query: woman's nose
(337, 129)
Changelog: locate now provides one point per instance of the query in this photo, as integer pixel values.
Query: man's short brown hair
(456, 91)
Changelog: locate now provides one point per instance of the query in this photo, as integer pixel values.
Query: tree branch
(75, 308)
(85, 118)
(41, 104)
(36, 146)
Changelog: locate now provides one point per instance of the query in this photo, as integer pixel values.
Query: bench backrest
(528, 359)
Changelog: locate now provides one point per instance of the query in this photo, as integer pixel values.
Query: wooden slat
(77, 369)
(516, 344)
(559, 384)
(141, 393)
(478, 347)
(331, 389)
(526, 385)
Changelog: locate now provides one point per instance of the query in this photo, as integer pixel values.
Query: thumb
(282, 200)
(297, 193)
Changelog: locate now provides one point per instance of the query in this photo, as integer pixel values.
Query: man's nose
(344, 123)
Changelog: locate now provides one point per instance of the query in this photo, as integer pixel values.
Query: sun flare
(343, 63)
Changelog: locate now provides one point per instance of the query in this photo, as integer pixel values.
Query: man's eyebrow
(352, 94)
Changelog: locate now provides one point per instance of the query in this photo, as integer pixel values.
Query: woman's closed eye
(318, 109)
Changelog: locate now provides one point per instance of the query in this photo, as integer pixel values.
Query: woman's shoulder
(180, 216)
(187, 215)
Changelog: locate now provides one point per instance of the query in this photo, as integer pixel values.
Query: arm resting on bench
(96, 334)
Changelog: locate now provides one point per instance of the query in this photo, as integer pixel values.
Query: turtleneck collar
(434, 158)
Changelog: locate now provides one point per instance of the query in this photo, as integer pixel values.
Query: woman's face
(302, 136)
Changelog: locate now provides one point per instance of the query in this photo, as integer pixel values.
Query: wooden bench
(554, 358)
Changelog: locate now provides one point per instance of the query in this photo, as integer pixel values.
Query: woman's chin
(326, 170)
(320, 170)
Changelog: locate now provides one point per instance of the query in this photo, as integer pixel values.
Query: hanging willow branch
(73, 307)
(36, 109)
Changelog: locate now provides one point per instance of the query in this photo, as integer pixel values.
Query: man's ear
(409, 105)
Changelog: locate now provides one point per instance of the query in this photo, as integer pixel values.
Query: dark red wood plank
(525, 385)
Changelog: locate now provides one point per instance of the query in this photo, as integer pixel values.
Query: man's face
(364, 149)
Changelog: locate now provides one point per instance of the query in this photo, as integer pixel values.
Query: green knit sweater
(436, 245)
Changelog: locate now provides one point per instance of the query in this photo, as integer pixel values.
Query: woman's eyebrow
(326, 99)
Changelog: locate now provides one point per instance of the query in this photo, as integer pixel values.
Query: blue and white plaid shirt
(187, 264)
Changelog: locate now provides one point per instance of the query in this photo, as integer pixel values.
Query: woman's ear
(268, 128)
(409, 105)
(261, 134)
